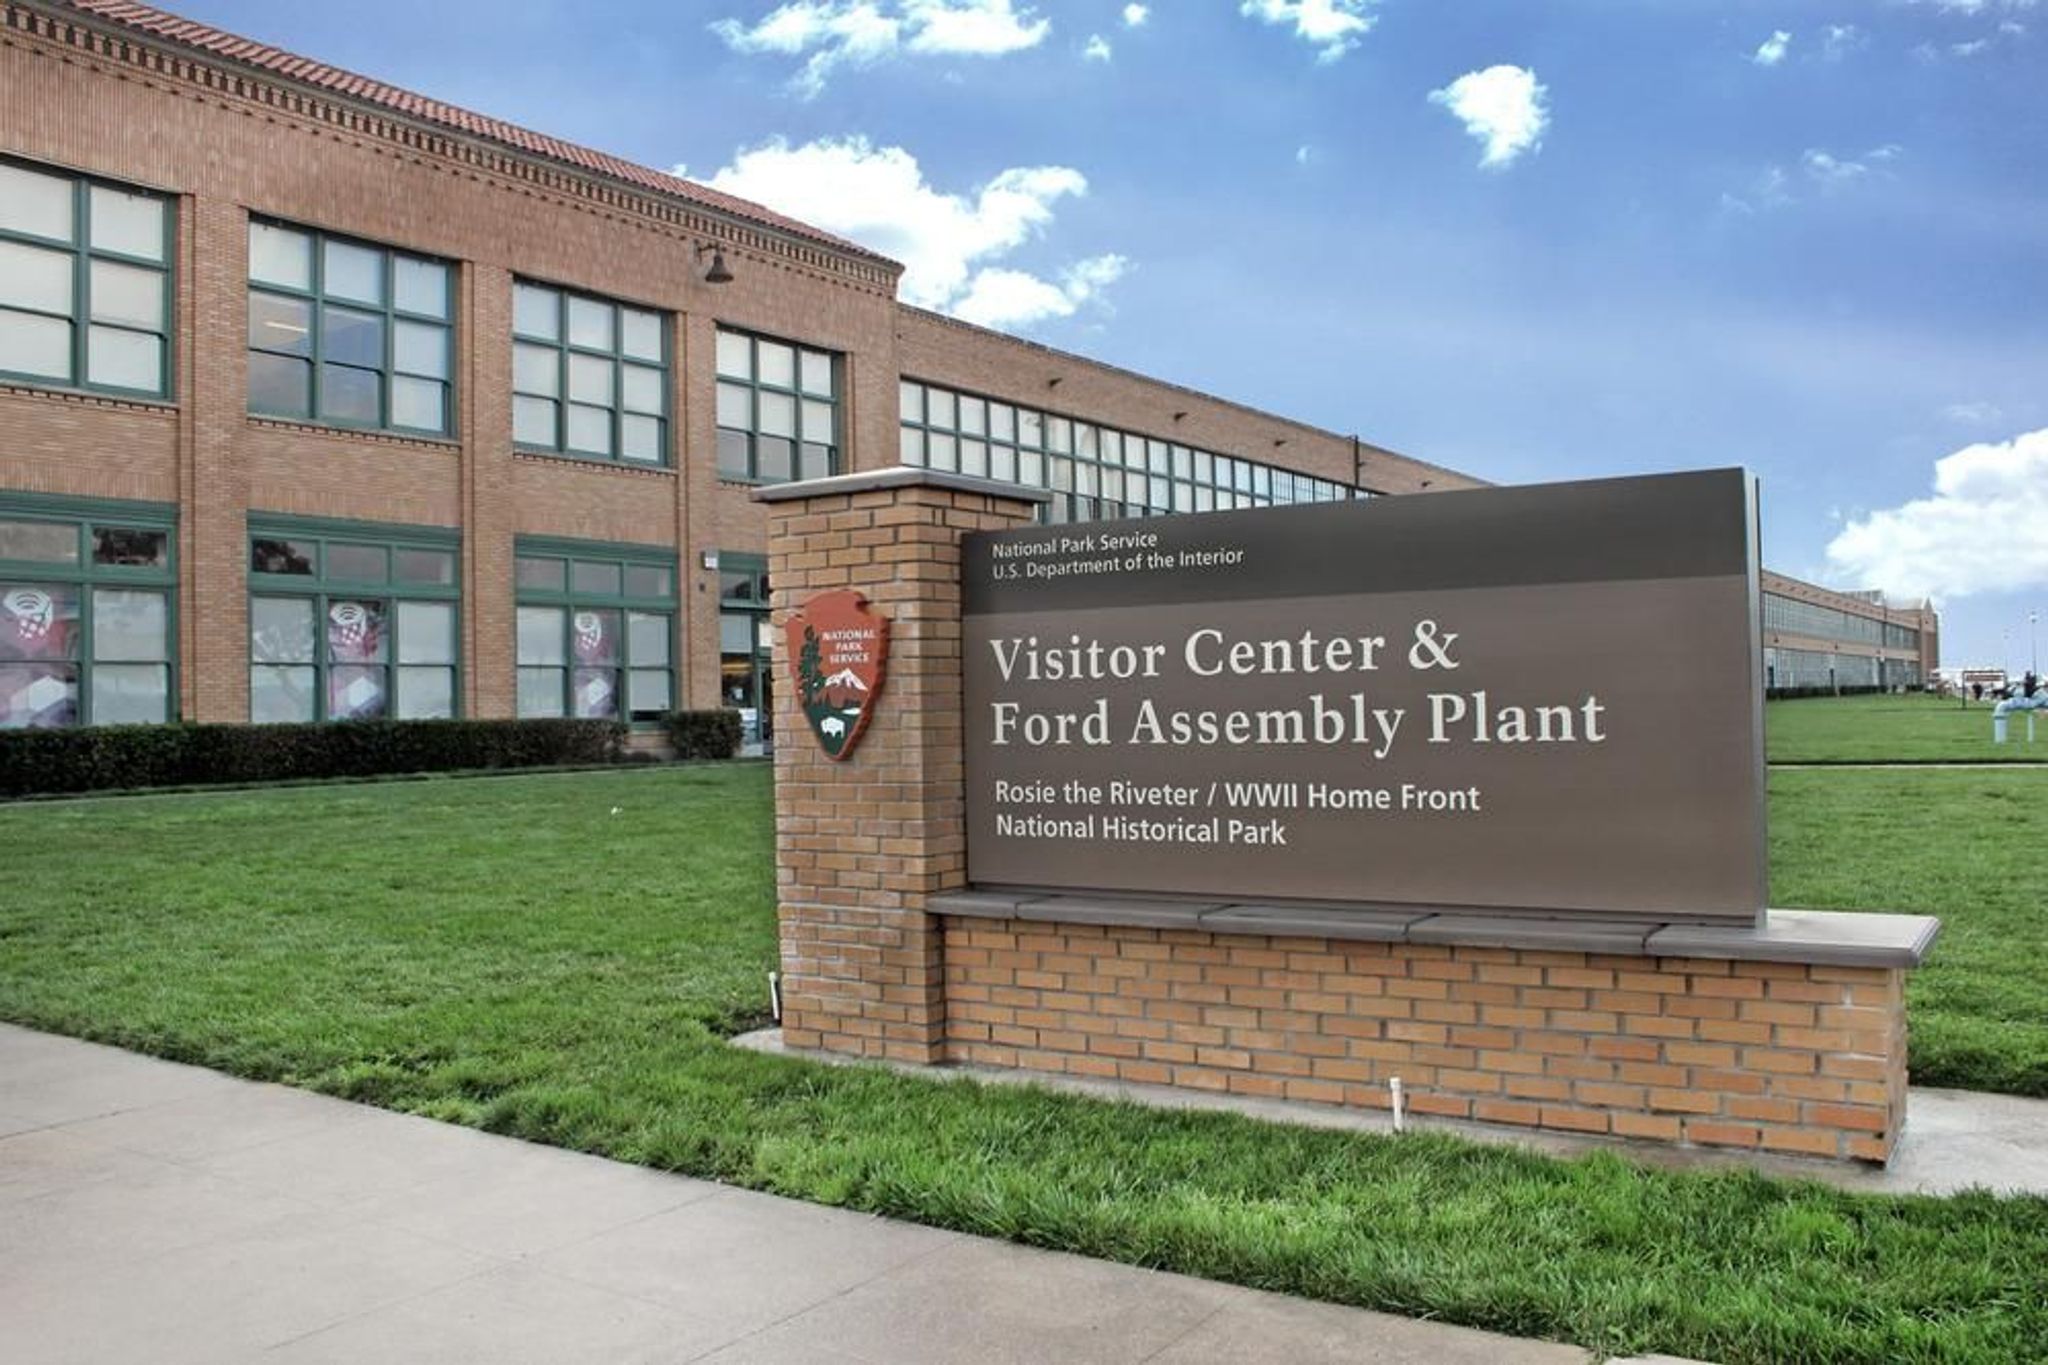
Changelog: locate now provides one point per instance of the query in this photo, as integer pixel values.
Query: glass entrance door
(745, 651)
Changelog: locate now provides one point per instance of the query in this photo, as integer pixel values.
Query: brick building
(1822, 639)
(325, 399)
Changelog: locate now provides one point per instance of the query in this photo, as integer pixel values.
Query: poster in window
(597, 693)
(38, 696)
(38, 622)
(355, 632)
(595, 637)
(356, 693)
(356, 642)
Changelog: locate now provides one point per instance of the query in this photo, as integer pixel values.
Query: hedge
(48, 762)
(1823, 690)
(703, 734)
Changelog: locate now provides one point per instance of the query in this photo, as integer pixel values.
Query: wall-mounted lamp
(1178, 415)
(1279, 441)
(709, 559)
(717, 274)
(1053, 382)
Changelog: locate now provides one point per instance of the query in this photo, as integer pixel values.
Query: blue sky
(1695, 243)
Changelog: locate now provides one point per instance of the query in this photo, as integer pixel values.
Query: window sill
(416, 440)
(127, 402)
(586, 462)
(742, 481)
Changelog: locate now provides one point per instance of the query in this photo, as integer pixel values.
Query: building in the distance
(1819, 640)
(324, 399)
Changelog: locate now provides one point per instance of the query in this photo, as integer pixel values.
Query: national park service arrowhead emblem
(837, 647)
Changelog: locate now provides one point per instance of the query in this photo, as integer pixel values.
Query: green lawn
(557, 957)
(1969, 845)
(1911, 728)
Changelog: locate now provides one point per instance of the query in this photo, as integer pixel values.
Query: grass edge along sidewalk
(559, 958)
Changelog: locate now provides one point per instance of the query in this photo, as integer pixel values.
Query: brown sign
(838, 647)
(1543, 699)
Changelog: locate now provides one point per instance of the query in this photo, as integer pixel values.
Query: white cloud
(1774, 188)
(1969, 7)
(1505, 107)
(1985, 529)
(1770, 190)
(1136, 14)
(1772, 50)
(972, 28)
(1000, 297)
(834, 33)
(1829, 171)
(1839, 40)
(858, 33)
(950, 244)
(1969, 49)
(1097, 49)
(1304, 154)
(1978, 414)
(1332, 27)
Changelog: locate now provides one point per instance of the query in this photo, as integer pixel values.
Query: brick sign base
(1779, 1056)
(1789, 1037)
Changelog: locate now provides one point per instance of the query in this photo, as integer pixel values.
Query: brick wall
(1778, 1057)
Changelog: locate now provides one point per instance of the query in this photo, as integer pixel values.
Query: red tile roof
(186, 32)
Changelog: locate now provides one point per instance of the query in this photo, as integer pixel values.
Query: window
(87, 592)
(589, 376)
(85, 282)
(1092, 472)
(352, 622)
(746, 675)
(778, 410)
(1792, 616)
(348, 334)
(596, 630)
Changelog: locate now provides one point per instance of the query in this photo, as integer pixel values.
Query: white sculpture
(2015, 706)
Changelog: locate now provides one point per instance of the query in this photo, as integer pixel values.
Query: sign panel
(838, 647)
(1544, 699)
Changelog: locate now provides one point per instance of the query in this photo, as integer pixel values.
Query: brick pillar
(860, 844)
(489, 510)
(213, 480)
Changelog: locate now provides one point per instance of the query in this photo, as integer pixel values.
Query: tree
(810, 667)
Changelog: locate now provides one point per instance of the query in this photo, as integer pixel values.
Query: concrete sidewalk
(150, 1211)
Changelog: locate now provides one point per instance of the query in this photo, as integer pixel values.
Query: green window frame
(1093, 472)
(86, 282)
(746, 673)
(353, 620)
(88, 612)
(778, 409)
(594, 633)
(347, 333)
(590, 376)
